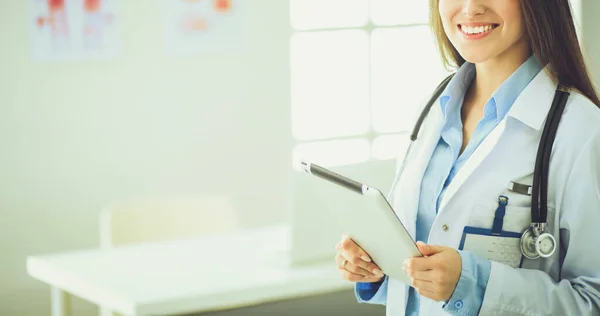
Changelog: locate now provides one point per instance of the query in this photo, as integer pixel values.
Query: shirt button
(459, 304)
(445, 227)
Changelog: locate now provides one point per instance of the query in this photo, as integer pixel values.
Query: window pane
(393, 12)
(390, 146)
(406, 68)
(315, 14)
(333, 153)
(329, 84)
(576, 9)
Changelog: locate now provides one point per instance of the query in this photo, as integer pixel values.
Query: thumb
(428, 250)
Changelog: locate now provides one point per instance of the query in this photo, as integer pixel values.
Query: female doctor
(478, 141)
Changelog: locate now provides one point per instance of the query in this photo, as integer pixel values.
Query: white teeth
(476, 29)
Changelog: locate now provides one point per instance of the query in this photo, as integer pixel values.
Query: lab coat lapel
(408, 192)
(407, 195)
(472, 163)
(531, 108)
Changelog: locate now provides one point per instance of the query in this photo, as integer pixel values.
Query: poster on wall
(74, 29)
(202, 26)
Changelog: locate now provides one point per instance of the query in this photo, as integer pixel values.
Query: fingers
(353, 273)
(426, 293)
(356, 269)
(424, 288)
(356, 256)
(429, 250)
(358, 263)
(349, 276)
(420, 281)
(423, 285)
(436, 276)
(429, 291)
(352, 268)
(421, 264)
(349, 245)
(421, 275)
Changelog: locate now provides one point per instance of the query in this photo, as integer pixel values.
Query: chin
(475, 56)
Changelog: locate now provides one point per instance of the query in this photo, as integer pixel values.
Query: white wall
(77, 136)
(591, 37)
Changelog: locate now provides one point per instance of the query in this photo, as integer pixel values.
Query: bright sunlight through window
(360, 71)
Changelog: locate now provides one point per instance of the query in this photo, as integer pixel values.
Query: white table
(193, 275)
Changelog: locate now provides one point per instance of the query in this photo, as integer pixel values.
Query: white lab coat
(568, 283)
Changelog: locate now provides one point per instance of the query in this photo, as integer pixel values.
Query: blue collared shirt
(445, 163)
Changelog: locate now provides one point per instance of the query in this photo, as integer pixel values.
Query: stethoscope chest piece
(534, 247)
(535, 242)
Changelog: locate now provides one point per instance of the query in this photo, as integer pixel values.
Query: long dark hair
(551, 31)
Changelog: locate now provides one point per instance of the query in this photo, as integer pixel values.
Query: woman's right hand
(354, 264)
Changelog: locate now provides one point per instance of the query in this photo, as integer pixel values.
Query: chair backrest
(157, 219)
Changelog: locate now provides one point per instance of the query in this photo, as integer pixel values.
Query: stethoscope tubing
(539, 203)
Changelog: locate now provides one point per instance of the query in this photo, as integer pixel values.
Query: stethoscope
(535, 241)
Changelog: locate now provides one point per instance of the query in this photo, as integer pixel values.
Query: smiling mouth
(476, 30)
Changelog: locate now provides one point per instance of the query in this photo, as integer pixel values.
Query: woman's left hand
(436, 274)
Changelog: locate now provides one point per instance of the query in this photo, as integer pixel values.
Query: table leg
(61, 302)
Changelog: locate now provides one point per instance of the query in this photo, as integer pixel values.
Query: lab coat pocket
(516, 219)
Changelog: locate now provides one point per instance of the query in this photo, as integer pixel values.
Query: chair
(160, 219)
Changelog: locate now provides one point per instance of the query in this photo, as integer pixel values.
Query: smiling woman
(513, 26)
(466, 194)
(497, 28)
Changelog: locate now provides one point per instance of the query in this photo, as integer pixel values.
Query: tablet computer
(373, 224)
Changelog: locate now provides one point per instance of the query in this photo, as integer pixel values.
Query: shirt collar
(503, 97)
(457, 86)
(511, 88)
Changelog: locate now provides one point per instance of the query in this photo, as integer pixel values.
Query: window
(360, 69)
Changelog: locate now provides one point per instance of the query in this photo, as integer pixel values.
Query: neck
(492, 73)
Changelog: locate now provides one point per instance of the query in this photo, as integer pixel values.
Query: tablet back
(314, 226)
(371, 223)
